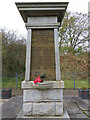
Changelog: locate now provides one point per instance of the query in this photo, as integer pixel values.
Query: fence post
(74, 79)
(16, 80)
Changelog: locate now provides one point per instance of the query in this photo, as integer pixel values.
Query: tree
(74, 33)
(13, 52)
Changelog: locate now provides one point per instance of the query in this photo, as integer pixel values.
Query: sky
(10, 17)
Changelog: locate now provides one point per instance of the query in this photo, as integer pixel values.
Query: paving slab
(12, 107)
(74, 105)
(70, 93)
(2, 101)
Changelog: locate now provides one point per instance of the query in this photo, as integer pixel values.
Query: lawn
(78, 84)
(10, 82)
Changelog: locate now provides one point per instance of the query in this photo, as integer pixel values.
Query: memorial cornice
(42, 25)
(42, 9)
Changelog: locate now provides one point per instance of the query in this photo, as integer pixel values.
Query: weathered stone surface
(42, 9)
(36, 95)
(42, 20)
(43, 54)
(44, 108)
(27, 108)
(57, 57)
(57, 84)
(65, 116)
(59, 108)
(28, 55)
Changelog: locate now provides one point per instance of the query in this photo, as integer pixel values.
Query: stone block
(65, 116)
(59, 84)
(43, 108)
(47, 108)
(42, 20)
(37, 95)
(59, 108)
(27, 108)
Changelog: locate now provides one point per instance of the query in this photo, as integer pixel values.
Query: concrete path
(12, 107)
(77, 108)
(2, 101)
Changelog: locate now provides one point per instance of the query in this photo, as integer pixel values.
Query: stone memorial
(42, 21)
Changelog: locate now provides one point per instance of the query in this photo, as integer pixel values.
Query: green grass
(10, 82)
(78, 83)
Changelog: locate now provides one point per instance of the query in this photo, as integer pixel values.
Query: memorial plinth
(42, 21)
(44, 99)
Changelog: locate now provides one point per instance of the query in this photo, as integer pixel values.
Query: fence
(12, 81)
(72, 80)
(75, 79)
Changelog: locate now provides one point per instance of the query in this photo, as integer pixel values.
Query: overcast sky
(11, 19)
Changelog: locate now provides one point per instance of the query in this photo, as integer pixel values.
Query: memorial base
(45, 100)
(65, 116)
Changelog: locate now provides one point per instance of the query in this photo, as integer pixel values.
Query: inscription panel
(43, 53)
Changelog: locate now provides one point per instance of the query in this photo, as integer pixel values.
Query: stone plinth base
(43, 108)
(47, 102)
(65, 116)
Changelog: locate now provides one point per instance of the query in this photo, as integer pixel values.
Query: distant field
(10, 82)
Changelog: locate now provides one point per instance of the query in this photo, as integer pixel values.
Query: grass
(78, 84)
(10, 82)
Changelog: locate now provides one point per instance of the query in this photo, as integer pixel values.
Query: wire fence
(72, 80)
(75, 79)
(12, 81)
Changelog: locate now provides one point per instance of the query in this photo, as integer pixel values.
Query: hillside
(74, 63)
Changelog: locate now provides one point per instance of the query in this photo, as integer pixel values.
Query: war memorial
(45, 99)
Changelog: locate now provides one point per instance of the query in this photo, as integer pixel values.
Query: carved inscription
(43, 53)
